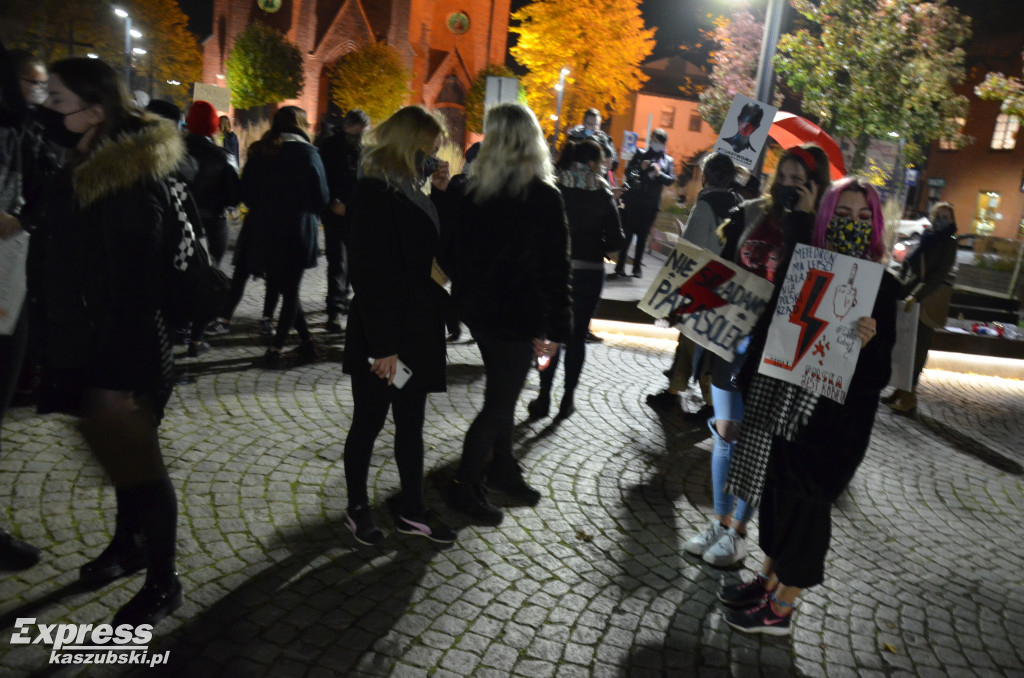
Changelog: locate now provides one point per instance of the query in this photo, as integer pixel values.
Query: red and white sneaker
(761, 619)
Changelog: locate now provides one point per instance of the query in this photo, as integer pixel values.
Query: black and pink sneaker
(428, 525)
(762, 619)
(744, 595)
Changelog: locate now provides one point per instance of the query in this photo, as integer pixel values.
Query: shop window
(988, 212)
(695, 122)
(1004, 137)
(950, 144)
(668, 117)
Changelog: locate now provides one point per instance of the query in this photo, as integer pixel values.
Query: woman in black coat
(285, 188)
(594, 229)
(509, 265)
(396, 317)
(104, 219)
(813, 444)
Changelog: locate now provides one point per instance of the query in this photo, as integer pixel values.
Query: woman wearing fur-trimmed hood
(107, 341)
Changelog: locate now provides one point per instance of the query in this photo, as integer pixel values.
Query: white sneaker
(730, 549)
(701, 542)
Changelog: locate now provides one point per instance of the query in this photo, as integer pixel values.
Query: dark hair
(592, 112)
(719, 170)
(22, 58)
(659, 135)
(356, 118)
(287, 120)
(95, 82)
(13, 108)
(585, 151)
(815, 163)
(165, 109)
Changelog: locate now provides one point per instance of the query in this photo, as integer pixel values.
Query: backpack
(194, 290)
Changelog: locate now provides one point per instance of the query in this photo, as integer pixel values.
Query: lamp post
(129, 33)
(560, 88)
(765, 77)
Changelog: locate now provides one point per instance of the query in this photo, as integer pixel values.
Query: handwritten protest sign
(903, 352)
(13, 253)
(812, 339)
(745, 130)
(712, 301)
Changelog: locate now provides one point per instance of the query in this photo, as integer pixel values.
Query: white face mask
(657, 148)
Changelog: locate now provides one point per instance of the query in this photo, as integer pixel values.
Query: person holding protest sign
(594, 230)
(927, 280)
(509, 265)
(808, 446)
(396, 316)
(759, 235)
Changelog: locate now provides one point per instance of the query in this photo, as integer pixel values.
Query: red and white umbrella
(791, 130)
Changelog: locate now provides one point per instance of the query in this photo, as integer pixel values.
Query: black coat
(285, 192)
(397, 307)
(643, 190)
(341, 166)
(594, 225)
(509, 264)
(103, 223)
(215, 186)
(822, 460)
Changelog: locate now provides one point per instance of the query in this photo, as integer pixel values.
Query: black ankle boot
(567, 407)
(151, 604)
(471, 499)
(540, 406)
(507, 477)
(126, 553)
(16, 554)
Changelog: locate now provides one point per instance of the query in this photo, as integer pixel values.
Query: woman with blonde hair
(509, 264)
(396, 317)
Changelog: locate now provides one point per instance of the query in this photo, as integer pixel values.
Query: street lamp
(129, 33)
(560, 88)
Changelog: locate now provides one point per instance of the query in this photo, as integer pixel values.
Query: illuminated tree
(371, 78)
(733, 65)
(602, 43)
(1008, 89)
(263, 68)
(870, 68)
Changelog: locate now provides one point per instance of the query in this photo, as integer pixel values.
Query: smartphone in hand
(402, 372)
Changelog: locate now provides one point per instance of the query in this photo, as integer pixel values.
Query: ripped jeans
(728, 407)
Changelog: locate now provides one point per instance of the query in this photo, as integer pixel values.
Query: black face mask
(430, 165)
(53, 126)
(786, 196)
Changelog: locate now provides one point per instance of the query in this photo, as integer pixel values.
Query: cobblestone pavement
(924, 578)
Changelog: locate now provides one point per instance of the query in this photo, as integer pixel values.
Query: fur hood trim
(151, 153)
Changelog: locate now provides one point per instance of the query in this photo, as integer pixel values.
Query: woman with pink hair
(813, 445)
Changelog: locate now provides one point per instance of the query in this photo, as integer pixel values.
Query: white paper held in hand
(402, 372)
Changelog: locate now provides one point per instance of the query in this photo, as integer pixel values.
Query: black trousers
(506, 364)
(372, 397)
(586, 295)
(637, 220)
(924, 342)
(795, 533)
(288, 283)
(336, 253)
(238, 280)
(216, 237)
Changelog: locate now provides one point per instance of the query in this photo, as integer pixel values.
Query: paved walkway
(925, 578)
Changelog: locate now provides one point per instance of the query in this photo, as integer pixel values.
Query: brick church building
(444, 43)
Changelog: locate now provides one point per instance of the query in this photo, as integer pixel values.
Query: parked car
(907, 228)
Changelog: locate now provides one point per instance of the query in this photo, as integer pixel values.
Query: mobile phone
(402, 372)
(430, 165)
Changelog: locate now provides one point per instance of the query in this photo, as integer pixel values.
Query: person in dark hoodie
(648, 173)
(285, 188)
(104, 219)
(594, 230)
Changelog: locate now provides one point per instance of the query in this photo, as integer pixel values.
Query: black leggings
(216, 237)
(12, 352)
(372, 397)
(506, 363)
(288, 284)
(238, 281)
(586, 295)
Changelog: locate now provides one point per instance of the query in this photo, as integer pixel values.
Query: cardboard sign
(218, 97)
(710, 300)
(745, 131)
(13, 255)
(905, 347)
(812, 339)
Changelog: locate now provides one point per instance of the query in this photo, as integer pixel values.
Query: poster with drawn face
(712, 301)
(745, 130)
(812, 339)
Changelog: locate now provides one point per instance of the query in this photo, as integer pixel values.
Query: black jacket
(341, 166)
(103, 223)
(397, 308)
(641, 188)
(285, 192)
(509, 265)
(594, 225)
(215, 186)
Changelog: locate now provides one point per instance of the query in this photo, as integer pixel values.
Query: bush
(263, 68)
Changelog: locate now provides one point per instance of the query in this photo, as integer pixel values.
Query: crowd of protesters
(521, 239)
